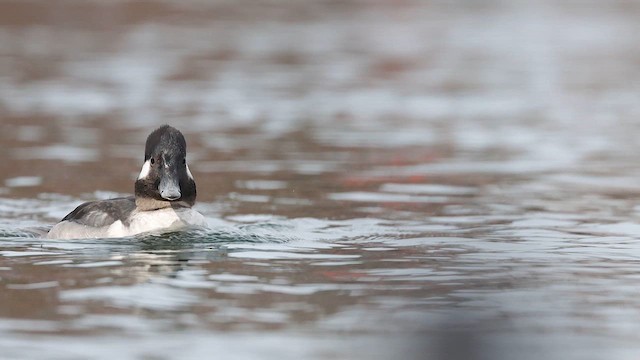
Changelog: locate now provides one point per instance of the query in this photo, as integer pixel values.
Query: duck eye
(152, 161)
(184, 161)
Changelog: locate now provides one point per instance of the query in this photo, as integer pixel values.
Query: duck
(164, 196)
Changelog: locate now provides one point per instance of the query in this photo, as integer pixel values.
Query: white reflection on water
(56, 152)
(384, 197)
(153, 296)
(34, 286)
(23, 181)
(434, 189)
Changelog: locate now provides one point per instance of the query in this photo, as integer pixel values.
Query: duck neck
(149, 204)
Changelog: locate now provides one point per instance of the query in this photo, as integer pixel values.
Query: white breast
(143, 221)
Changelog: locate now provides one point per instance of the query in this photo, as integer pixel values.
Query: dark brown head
(165, 179)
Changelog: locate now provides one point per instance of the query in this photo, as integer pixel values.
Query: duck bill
(169, 187)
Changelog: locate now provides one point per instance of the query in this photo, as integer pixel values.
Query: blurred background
(385, 179)
(303, 90)
(287, 89)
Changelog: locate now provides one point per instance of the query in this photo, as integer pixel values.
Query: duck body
(165, 192)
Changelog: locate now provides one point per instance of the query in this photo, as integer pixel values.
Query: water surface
(382, 180)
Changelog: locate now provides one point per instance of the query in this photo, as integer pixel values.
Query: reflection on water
(382, 180)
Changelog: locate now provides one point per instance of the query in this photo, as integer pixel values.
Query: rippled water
(382, 180)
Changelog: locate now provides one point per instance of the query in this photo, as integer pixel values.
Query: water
(382, 180)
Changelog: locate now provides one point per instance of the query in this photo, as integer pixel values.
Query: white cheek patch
(189, 173)
(145, 170)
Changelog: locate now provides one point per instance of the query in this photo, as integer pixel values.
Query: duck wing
(103, 212)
